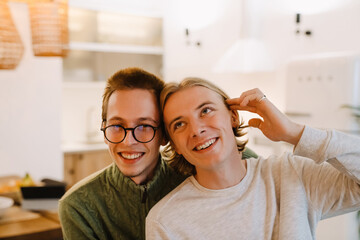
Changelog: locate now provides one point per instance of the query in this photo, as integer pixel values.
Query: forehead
(189, 99)
(132, 104)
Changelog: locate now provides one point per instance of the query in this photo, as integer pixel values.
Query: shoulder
(165, 205)
(248, 153)
(86, 186)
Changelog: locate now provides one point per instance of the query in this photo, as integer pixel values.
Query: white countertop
(83, 147)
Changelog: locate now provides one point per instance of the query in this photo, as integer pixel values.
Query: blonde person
(227, 197)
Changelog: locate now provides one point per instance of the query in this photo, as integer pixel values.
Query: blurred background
(54, 61)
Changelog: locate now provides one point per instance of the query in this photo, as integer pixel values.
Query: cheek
(227, 118)
(154, 145)
(222, 122)
(111, 145)
(112, 149)
(175, 143)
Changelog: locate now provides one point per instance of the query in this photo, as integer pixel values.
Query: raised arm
(274, 124)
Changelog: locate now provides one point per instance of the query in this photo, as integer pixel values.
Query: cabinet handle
(297, 114)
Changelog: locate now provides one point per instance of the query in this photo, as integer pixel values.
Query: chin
(128, 170)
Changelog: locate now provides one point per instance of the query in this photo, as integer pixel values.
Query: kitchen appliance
(45, 197)
(324, 90)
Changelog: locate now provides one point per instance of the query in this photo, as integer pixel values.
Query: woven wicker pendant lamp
(11, 46)
(49, 27)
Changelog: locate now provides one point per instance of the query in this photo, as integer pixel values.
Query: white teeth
(131, 156)
(205, 145)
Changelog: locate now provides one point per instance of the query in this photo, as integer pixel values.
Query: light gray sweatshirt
(279, 198)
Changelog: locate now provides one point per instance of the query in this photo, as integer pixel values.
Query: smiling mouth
(205, 145)
(130, 156)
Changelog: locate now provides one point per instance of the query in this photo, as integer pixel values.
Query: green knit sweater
(109, 205)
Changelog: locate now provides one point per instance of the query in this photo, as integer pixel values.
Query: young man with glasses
(113, 203)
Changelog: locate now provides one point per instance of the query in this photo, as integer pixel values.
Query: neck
(223, 177)
(146, 175)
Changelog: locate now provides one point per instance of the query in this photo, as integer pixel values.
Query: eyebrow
(148, 119)
(198, 107)
(203, 104)
(139, 120)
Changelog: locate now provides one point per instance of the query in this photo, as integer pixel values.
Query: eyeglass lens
(141, 133)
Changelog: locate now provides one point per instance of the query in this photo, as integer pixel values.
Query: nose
(129, 138)
(196, 127)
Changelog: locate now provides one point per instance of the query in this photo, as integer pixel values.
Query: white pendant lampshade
(248, 54)
(245, 56)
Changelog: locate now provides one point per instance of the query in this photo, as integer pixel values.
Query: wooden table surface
(32, 226)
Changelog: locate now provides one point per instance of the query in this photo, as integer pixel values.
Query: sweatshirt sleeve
(331, 180)
(339, 149)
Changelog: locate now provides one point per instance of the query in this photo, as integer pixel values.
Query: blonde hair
(175, 160)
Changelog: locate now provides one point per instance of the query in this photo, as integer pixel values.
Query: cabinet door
(80, 165)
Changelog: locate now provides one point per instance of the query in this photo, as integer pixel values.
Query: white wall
(184, 60)
(30, 104)
(332, 30)
(81, 116)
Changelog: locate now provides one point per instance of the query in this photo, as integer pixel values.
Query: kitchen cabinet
(102, 42)
(78, 165)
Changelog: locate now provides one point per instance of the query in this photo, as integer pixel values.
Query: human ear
(103, 126)
(234, 118)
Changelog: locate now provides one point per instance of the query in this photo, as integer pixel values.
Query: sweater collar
(124, 183)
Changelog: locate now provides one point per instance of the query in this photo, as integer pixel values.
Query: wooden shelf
(115, 48)
(144, 8)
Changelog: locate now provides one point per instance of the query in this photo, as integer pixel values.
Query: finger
(242, 96)
(245, 108)
(253, 91)
(232, 101)
(253, 99)
(246, 94)
(255, 122)
(249, 99)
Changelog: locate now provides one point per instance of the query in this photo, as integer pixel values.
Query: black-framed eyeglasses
(117, 133)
